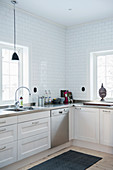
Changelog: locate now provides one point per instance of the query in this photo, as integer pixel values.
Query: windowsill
(106, 100)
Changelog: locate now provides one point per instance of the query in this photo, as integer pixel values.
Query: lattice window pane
(105, 74)
(10, 75)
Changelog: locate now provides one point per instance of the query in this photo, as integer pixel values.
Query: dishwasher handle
(59, 112)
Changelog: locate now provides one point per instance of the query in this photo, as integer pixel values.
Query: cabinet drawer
(33, 145)
(8, 134)
(33, 116)
(8, 121)
(8, 154)
(34, 127)
(86, 110)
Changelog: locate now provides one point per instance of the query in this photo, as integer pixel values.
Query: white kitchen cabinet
(106, 127)
(33, 145)
(86, 124)
(71, 123)
(8, 134)
(34, 127)
(33, 134)
(8, 121)
(8, 154)
(33, 116)
(8, 140)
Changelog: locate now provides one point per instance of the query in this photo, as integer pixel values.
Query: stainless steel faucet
(17, 102)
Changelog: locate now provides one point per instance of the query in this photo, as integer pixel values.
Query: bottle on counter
(46, 97)
(41, 101)
(66, 97)
(35, 96)
(21, 101)
(49, 97)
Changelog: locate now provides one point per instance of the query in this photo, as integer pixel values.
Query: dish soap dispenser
(21, 101)
(49, 97)
(46, 97)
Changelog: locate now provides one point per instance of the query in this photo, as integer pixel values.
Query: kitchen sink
(15, 109)
(28, 108)
(19, 109)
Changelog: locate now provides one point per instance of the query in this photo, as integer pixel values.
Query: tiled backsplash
(81, 40)
(46, 43)
(59, 56)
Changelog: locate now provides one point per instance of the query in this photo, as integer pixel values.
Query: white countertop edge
(4, 113)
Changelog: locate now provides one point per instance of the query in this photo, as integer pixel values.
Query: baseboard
(93, 146)
(36, 157)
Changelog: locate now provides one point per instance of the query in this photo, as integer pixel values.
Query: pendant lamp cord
(14, 30)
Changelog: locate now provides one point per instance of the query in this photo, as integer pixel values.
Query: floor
(105, 164)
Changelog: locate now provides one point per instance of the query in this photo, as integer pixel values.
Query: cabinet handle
(1, 149)
(2, 122)
(106, 111)
(2, 130)
(77, 108)
(35, 123)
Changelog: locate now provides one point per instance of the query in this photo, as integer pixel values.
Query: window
(12, 72)
(103, 73)
(10, 75)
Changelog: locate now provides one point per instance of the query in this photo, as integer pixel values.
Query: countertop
(4, 113)
(92, 106)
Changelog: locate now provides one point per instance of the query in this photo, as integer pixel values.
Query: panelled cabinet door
(33, 145)
(8, 134)
(8, 154)
(71, 123)
(87, 124)
(106, 127)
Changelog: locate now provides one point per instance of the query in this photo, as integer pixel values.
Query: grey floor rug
(70, 160)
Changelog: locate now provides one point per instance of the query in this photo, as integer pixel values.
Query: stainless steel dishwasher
(59, 126)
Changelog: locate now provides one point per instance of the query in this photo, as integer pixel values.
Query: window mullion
(105, 71)
(9, 78)
(0, 74)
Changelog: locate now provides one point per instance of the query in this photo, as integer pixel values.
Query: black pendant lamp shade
(14, 56)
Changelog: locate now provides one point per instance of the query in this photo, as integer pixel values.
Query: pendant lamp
(14, 56)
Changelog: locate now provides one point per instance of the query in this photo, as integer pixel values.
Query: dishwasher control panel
(59, 111)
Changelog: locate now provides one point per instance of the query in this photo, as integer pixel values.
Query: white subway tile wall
(81, 40)
(59, 57)
(46, 43)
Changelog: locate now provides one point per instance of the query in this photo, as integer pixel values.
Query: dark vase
(102, 92)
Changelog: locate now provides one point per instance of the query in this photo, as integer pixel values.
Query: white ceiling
(57, 10)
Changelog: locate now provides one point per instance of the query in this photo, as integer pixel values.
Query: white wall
(81, 40)
(53, 65)
(46, 43)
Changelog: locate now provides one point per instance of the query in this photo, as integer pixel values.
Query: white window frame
(93, 73)
(24, 75)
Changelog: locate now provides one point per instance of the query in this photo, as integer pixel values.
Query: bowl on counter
(62, 100)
